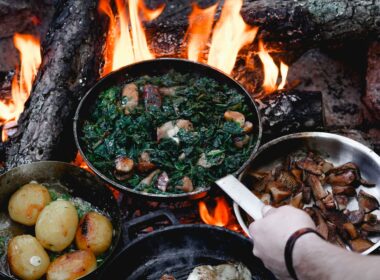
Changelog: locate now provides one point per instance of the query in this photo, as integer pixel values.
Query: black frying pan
(157, 67)
(75, 180)
(178, 249)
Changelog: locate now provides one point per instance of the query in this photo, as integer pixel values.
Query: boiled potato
(56, 225)
(72, 266)
(94, 233)
(27, 258)
(27, 203)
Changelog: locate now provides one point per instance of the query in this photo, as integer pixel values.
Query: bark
(70, 64)
(372, 96)
(291, 112)
(313, 21)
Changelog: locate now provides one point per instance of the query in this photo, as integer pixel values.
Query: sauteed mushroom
(236, 117)
(130, 98)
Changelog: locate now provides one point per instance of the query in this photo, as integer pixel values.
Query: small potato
(56, 225)
(27, 258)
(72, 266)
(94, 233)
(27, 202)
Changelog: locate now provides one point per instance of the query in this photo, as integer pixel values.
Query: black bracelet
(289, 248)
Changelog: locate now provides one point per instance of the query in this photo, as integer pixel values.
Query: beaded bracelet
(289, 248)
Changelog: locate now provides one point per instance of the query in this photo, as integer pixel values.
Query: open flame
(126, 41)
(30, 60)
(230, 34)
(220, 216)
(271, 71)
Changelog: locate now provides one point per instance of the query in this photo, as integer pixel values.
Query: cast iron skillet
(156, 67)
(60, 175)
(178, 249)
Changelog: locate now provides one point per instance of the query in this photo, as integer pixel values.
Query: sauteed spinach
(178, 131)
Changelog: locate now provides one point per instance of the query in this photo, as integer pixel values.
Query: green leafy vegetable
(108, 133)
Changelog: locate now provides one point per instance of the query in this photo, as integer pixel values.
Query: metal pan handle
(131, 227)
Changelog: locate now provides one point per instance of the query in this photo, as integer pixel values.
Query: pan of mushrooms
(333, 178)
(57, 221)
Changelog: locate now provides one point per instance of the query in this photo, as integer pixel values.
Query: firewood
(307, 22)
(291, 111)
(70, 64)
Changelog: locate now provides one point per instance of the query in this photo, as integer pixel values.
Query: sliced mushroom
(344, 190)
(241, 141)
(123, 168)
(130, 98)
(187, 185)
(341, 178)
(279, 194)
(296, 201)
(367, 202)
(248, 127)
(370, 219)
(152, 97)
(356, 217)
(306, 194)
(360, 245)
(162, 181)
(235, 116)
(144, 164)
(309, 165)
(288, 180)
(261, 183)
(328, 201)
(168, 91)
(265, 198)
(171, 128)
(149, 179)
(297, 173)
(316, 186)
(341, 202)
(371, 228)
(351, 230)
(322, 227)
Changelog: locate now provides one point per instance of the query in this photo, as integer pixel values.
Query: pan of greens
(167, 128)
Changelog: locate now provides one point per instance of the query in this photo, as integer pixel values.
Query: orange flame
(200, 27)
(221, 215)
(30, 57)
(231, 33)
(126, 41)
(271, 71)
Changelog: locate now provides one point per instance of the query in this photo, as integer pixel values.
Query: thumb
(267, 210)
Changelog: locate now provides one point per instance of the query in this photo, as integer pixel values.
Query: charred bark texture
(290, 112)
(70, 64)
(312, 21)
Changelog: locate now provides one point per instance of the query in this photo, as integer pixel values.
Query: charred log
(291, 112)
(70, 64)
(313, 21)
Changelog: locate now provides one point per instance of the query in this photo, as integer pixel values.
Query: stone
(372, 95)
(340, 84)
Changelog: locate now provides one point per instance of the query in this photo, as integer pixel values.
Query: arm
(313, 258)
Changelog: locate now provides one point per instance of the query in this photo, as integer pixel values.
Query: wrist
(302, 250)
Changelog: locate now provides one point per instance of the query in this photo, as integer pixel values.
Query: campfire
(244, 40)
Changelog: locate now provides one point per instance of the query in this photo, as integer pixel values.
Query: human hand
(271, 233)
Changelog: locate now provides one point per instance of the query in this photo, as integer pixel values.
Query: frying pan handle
(131, 227)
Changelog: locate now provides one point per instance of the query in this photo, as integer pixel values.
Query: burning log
(71, 54)
(292, 111)
(310, 21)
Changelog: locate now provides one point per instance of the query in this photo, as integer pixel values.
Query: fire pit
(294, 59)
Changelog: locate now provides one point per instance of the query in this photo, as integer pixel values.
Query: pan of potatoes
(57, 221)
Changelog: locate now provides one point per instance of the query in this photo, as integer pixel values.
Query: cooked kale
(109, 133)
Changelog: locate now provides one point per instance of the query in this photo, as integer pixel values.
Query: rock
(372, 95)
(340, 85)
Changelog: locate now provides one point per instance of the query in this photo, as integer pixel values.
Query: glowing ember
(123, 46)
(271, 71)
(200, 27)
(78, 161)
(221, 215)
(231, 33)
(30, 57)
